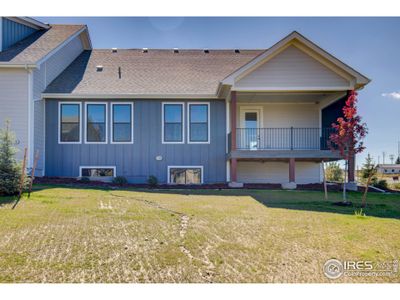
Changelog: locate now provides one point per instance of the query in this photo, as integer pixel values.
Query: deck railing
(283, 138)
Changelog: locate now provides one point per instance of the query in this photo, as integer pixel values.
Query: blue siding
(137, 161)
(14, 32)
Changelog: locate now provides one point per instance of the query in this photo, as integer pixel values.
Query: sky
(369, 45)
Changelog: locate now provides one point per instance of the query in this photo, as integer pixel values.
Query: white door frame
(260, 124)
(256, 109)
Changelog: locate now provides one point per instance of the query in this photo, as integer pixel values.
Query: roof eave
(128, 96)
(16, 66)
(30, 22)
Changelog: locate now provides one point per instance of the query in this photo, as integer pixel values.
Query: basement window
(185, 174)
(93, 171)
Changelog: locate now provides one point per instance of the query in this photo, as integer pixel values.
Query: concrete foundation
(289, 186)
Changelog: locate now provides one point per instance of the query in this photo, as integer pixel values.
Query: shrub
(381, 184)
(152, 181)
(396, 186)
(10, 170)
(120, 180)
(84, 179)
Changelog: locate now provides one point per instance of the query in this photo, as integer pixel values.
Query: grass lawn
(64, 234)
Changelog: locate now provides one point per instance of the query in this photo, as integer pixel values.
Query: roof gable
(315, 57)
(292, 69)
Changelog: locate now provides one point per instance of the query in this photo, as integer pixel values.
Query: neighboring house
(32, 55)
(184, 116)
(389, 169)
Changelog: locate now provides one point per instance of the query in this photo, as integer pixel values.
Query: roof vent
(176, 50)
(99, 68)
(114, 50)
(237, 51)
(206, 51)
(145, 50)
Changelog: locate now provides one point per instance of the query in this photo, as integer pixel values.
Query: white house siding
(277, 172)
(292, 68)
(42, 77)
(14, 103)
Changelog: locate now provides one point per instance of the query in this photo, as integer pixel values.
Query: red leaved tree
(349, 133)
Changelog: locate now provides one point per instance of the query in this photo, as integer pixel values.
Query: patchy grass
(64, 234)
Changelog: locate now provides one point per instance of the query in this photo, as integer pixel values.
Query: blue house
(184, 116)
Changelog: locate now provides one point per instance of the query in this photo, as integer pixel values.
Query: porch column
(292, 166)
(233, 110)
(351, 168)
(233, 170)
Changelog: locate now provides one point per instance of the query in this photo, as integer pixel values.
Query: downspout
(30, 142)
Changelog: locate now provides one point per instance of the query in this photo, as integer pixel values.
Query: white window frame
(162, 122)
(98, 167)
(112, 122)
(80, 121)
(185, 167)
(106, 122)
(208, 122)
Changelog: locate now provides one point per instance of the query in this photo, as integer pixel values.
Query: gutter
(128, 96)
(15, 66)
(30, 22)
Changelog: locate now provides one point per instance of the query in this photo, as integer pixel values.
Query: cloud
(394, 95)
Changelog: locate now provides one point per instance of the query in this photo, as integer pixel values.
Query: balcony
(277, 143)
(282, 138)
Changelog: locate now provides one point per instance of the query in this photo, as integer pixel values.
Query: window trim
(162, 122)
(208, 123)
(112, 122)
(98, 167)
(80, 121)
(185, 167)
(105, 122)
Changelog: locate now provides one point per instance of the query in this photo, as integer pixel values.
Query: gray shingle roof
(160, 72)
(38, 45)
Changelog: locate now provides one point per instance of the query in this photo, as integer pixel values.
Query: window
(199, 123)
(69, 131)
(172, 122)
(122, 123)
(185, 175)
(97, 172)
(96, 123)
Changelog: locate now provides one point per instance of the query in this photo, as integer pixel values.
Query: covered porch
(280, 110)
(274, 136)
